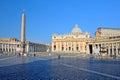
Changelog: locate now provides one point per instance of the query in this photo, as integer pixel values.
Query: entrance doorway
(90, 49)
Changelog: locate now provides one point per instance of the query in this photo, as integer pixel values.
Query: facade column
(64, 44)
(98, 47)
(56, 46)
(87, 49)
(93, 45)
(67, 46)
(52, 46)
(79, 46)
(71, 46)
(60, 46)
(74, 46)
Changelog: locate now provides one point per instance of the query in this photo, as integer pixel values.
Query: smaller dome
(76, 29)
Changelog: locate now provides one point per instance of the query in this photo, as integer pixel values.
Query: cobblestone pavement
(52, 68)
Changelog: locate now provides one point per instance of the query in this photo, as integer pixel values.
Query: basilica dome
(76, 29)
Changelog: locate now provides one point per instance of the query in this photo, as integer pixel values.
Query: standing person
(59, 56)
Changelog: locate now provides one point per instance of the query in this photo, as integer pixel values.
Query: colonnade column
(5, 47)
(98, 47)
(35, 48)
(2, 47)
(8, 47)
(27, 47)
(112, 49)
(93, 45)
(64, 46)
(116, 49)
(108, 49)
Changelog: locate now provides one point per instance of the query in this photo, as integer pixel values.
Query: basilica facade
(72, 42)
(106, 40)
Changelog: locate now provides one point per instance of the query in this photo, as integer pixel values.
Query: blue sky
(46, 17)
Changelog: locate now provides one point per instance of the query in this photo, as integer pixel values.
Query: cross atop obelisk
(23, 37)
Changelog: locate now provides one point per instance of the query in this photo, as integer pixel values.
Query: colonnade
(9, 47)
(34, 47)
(110, 48)
(29, 47)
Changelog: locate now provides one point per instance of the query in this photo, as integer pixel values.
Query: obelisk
(23, 37)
